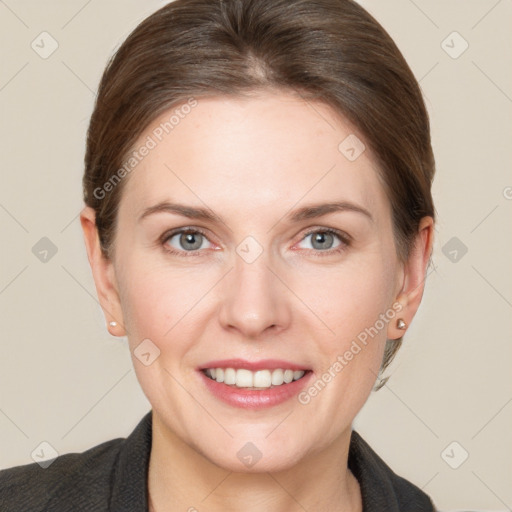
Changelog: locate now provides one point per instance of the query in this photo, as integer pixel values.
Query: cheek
(158, 301)
(355, 304)
(354, 308)
(162, 306)
(349, 298)
(360, 333)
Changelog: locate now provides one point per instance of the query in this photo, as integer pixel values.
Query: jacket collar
(373, 475)
(129, 489)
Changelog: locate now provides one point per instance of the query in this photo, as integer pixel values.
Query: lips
(254, 385)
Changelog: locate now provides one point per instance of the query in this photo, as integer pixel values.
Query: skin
(252, 161)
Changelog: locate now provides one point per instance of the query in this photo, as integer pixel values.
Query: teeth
(229, 376)
(297, 374)
(244, 379)
(261, 379)
(277, 377)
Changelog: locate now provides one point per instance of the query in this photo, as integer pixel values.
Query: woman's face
(287, 262)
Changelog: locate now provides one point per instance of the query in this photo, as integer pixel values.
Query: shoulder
(381, 487)
(110, 476)
(80, 480)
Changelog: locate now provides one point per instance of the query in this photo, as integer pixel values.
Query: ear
(413, 281)
(103, 274)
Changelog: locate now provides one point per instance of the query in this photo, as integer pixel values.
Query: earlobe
(415, 271)
(103, 274)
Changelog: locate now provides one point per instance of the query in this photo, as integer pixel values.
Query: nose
(254, 301)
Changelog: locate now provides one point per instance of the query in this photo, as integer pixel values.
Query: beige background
(65, 380)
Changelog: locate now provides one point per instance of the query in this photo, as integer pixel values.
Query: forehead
(248, 154)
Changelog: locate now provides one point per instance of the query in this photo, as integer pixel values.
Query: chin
(263, 465)
(245, 456)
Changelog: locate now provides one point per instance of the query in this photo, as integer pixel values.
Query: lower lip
(253, 398)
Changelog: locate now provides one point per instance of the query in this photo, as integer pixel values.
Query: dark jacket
(113, 477)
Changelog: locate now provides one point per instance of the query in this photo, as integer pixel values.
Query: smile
(254, 385)
(258, 380)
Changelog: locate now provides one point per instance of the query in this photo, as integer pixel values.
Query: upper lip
(262, 364)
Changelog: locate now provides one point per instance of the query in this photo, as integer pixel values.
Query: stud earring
(113, 324)
(401, 324)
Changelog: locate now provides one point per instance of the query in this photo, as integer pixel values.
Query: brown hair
(326, 50)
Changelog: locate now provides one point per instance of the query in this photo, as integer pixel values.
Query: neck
(180, 478)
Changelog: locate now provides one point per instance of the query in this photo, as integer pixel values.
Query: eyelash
(343, 237)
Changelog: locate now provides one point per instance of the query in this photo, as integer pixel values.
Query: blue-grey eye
(187, 241)
(322, 240)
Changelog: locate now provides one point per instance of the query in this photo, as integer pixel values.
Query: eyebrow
(306, 212)
(191, 212)
(318, 210)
